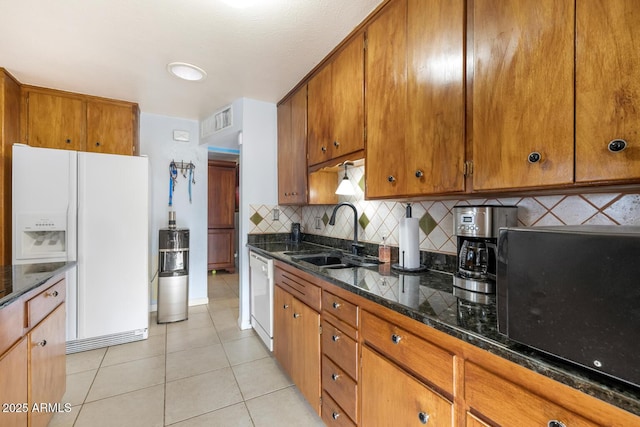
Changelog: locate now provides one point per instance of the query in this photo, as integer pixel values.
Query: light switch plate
(181, 135)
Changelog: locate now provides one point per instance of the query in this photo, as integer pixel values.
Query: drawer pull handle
(285, 306)
(336, 305)
(423, 417)
(336, 144)
(53, 294)
(296, 315)
(556, 423)
(335, 415)
(419, 174)
(324, 149)
(335, 338)
(396, 338)
(534, 157)
(335, 377)
(42, 343)
(617, 145)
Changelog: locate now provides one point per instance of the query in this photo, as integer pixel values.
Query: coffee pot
(473, 259)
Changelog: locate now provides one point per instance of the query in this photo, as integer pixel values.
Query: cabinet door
(292, 149)
(220, 248)
(222, 190)
(47, 364)
(110, 128)
(13, 386)
(347, 94)
(282, 313)
(305, 352)
(434, 141)
(320, 117)
(56, 121)
(523, 59)
(386, 87)
(390, 396)
(607, 90)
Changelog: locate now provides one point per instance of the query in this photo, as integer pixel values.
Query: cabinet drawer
(332, 413)
(340, 386)
(340, 308)
(11, 324)
(501, 402)
(418, 356)
(42, 304)
(301, 289)
(340, 348)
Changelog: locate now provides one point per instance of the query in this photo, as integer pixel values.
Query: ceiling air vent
(216, 122)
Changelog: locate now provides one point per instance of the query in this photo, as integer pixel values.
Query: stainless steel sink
(336, 260)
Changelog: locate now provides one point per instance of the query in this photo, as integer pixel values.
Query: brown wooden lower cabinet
(220, 246)
(392, 397)
(47, 366)
(13, 386)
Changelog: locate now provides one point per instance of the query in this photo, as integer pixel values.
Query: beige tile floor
(204, 371)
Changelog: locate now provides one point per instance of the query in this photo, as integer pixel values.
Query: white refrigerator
(93, 209)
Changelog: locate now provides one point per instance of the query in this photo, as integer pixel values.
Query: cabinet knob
(419, 174)
(616, 145)
(335, 415)
(336, 305)
(336, 144)
(68, 141)
(42, 343)
(335, 338)
(335, 377)
(395, 338)
(296, 315)
(97, 143)
(391, 178)
(555, 423)
(53, 294)
(534, 157)
(423, 417)
(286, 194)
(324, 149)
(285, 306)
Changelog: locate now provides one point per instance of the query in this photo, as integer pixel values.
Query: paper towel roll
(409, 255)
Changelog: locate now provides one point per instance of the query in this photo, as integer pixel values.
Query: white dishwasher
(261, 290)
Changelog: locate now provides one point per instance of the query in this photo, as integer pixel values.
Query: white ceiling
(120, 48)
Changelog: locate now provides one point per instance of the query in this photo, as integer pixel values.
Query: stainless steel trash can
(173, 275)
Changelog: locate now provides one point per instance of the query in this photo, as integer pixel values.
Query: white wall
(258, 180)
(156, 141)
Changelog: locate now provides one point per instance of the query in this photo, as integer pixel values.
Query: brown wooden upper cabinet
(607, 90)
(415, 99)
(67, 121)
(292, 149)
(336, 105)
(523, 56)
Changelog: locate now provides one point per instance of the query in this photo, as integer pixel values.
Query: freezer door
(113, 242)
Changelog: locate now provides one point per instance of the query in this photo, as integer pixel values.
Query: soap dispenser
(384, 251)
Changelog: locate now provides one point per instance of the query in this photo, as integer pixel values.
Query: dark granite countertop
(430, 298)
(16, 280)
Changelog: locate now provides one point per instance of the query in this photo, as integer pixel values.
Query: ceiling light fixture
(345, 188)
(187, 71)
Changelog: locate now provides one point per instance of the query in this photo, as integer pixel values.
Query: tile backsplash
(378, 219)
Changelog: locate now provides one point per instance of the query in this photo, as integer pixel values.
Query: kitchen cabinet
(336, 106)
(221, 215)
(339, 359)
(47, 365)
(292, 149)
(9, 134)
(68, 121)
(522, 93)
(296, 332)
(415, 99)
(13, 386)
(607, 90)
(390, 396)
(32, 354)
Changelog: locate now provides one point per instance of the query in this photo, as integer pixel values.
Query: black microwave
(573, 292)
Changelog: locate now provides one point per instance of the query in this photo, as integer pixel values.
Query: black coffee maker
(476, 228)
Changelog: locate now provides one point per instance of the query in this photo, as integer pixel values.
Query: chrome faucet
(356, 247)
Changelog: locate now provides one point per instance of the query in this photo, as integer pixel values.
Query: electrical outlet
(318, 224)
(276, 214)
